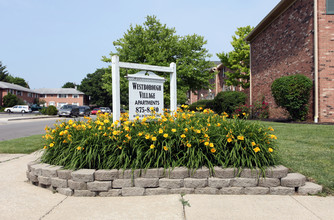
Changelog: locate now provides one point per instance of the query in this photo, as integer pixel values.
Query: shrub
(185, 139)
(203, 104)
(228, 101)
(260, 110)
(293, 93)
(50, 110)
(10, 100)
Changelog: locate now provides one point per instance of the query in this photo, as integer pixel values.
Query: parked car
(94, 111)
(84, 110)
(105, 110)
(69, 110)
(35, 107)
(19, 108)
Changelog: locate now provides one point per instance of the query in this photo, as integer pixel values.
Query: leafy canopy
(3, 73)
(237, 61)
(69, 85)
(154, 43)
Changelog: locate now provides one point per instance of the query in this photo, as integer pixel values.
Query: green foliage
(10, 100)
(92, 86)
(3, 73)
(154, 43)
(185, 139)
(50, 110)
(69, 85)
(17, 80)
(237, 61)
(293, 94)
(228, 101)
(201, 105)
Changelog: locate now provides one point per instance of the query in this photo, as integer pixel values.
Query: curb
(27, 118)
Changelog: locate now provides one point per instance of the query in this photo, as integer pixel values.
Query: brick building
(27, 95)
(297, 36)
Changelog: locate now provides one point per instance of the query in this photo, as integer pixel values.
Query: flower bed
(184, 139)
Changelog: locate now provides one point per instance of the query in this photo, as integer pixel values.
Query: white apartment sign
(146, 92)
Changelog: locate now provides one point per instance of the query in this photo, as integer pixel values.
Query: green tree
(10, 100)
(237, 61)
(18, 81)
(69, 85)
(154, 43)
(92, 85)
(3, 73)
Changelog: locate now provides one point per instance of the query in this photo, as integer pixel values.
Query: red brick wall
(68, 100)
(326, 63)
(285, 47)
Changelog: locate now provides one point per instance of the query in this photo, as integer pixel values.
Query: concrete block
(111, 193)
(33, 178)
(182, 191)
(207, 190)
(50, 171)
(170, 183)
(231, 191)
(218, 182)
(276, 172)
(59, 183)
(250, 173)
(121, 183)
(44, 180)
(30, 164)
(195, 183)
(156, 191)
(146, 182)
(200, 173)
(256, 190)
(243, 182)
(309, 188)
(83, 175)
(269, 182)
(27, 174)
(103, 175)
(99, 186)
(128, 174)
(133, 191)
(293, 180)
(36, 169)
(178, 173)
(280, 190)
(225, 173)
(65, 191)
(64, 174)
(84, 193)
(153, 173)
(77, 185)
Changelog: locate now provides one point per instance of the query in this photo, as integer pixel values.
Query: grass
(307, 149)
(25, 145)
(304, 148)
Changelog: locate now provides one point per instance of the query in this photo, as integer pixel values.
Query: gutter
(316, 72)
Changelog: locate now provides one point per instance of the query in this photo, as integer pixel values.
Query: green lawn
(304, 148)
(24, 145)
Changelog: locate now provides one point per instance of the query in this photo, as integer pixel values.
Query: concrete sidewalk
(21, 200)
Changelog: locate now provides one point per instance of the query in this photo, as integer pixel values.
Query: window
(75, 103)
(51, 103)
(19, 93)
(61, 104)
(330, 7)
(42, 96)
(62, 96)
(75, 96)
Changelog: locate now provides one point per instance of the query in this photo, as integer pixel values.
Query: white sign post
(146, 91)
(116, 85)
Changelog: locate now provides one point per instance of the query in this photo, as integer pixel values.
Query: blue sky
(50, 42)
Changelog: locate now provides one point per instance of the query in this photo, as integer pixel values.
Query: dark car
(35, 107)
(69, 110)
(84, 110)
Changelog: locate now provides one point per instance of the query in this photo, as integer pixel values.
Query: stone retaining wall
(89, 182)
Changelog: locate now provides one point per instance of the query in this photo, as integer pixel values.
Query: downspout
(250, 76)
(316, 73)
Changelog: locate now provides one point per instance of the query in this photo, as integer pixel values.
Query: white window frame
(66, 96)
(75, 96)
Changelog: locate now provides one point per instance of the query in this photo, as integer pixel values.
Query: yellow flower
(198, 131)
(218, 124)
(241, 138)
(273, 137)
(70, 122)
(270, 149)
(61, 133)
(206, 143)
(208, 124)
(152, 146)
(154, 138)
(147, 136)
(45, 147)
(106, 121)
(257, 149)
(52, 144)
(165, 148)
(160, 131)
(174, 130)
(213, 150)
(270, 129)
(183, 136)
(115, 132)
(64, 141)
(165, 135)
(186, 129)
(78, 148)
(229, 140)
(253, 144)
(188, 145)
(244, 113)
(140, 134)
(211, 145)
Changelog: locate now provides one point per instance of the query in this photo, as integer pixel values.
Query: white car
(18, 108)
